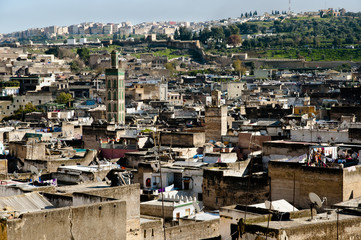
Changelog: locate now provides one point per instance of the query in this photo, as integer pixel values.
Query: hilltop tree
(185, 33)
(234, 40)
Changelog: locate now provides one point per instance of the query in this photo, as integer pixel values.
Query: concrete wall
(84, 199)
(351, 182)
(58, 200)
(293, 149)
(151, 229)
(196, 230)
(27, 150)
(96, 221)
(183, 139)
(293, 182)
(221, 190)
(6, 191)
(349, 228)
(315, 135)
(130, 194)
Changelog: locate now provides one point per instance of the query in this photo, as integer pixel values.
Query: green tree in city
(83, 54)
(64, 98)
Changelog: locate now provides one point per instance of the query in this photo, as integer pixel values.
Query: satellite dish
(315, 202)
(268, 205)
(34, 170)
(315, 199)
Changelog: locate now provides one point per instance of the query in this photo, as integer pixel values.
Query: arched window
(115, 118)
(115, 95)
(109, 84)
(115, 107)
(109, 117)
(109, 96)
(114, 83)
(109, 107)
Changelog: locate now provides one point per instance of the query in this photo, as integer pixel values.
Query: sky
(17, 15)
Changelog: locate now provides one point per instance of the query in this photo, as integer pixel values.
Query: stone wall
(221, 190)
(84, 199)
(151, 228)
(195, 230)
(182, 139)
(130, 194)
(349, 228)
(52, 165)
(95, 221)
(293, 149)
(293, 182)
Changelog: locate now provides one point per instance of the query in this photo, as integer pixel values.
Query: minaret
(115, 92)
(215, 118)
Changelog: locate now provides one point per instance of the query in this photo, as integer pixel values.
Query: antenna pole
(289, 6)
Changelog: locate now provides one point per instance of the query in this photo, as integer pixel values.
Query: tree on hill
(234, 40)
(83, 54)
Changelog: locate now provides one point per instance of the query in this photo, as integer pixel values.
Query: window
(114, 83)
(109, 84)
(115, 107)
(109, 117)
(177, 215)
(145, 233)
(115, 95)
(109, 107)
(188, 212)
(109, 96)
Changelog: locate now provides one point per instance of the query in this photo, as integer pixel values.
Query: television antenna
(315, 202)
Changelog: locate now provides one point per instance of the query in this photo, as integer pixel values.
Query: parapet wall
(293, 182)
(95, 221)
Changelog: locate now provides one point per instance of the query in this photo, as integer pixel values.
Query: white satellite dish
(268, 205)
(315, 199)
(34, 170)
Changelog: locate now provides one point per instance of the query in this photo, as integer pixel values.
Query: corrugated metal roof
(28, 202)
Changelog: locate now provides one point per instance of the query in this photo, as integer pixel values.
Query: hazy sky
(18, 15)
